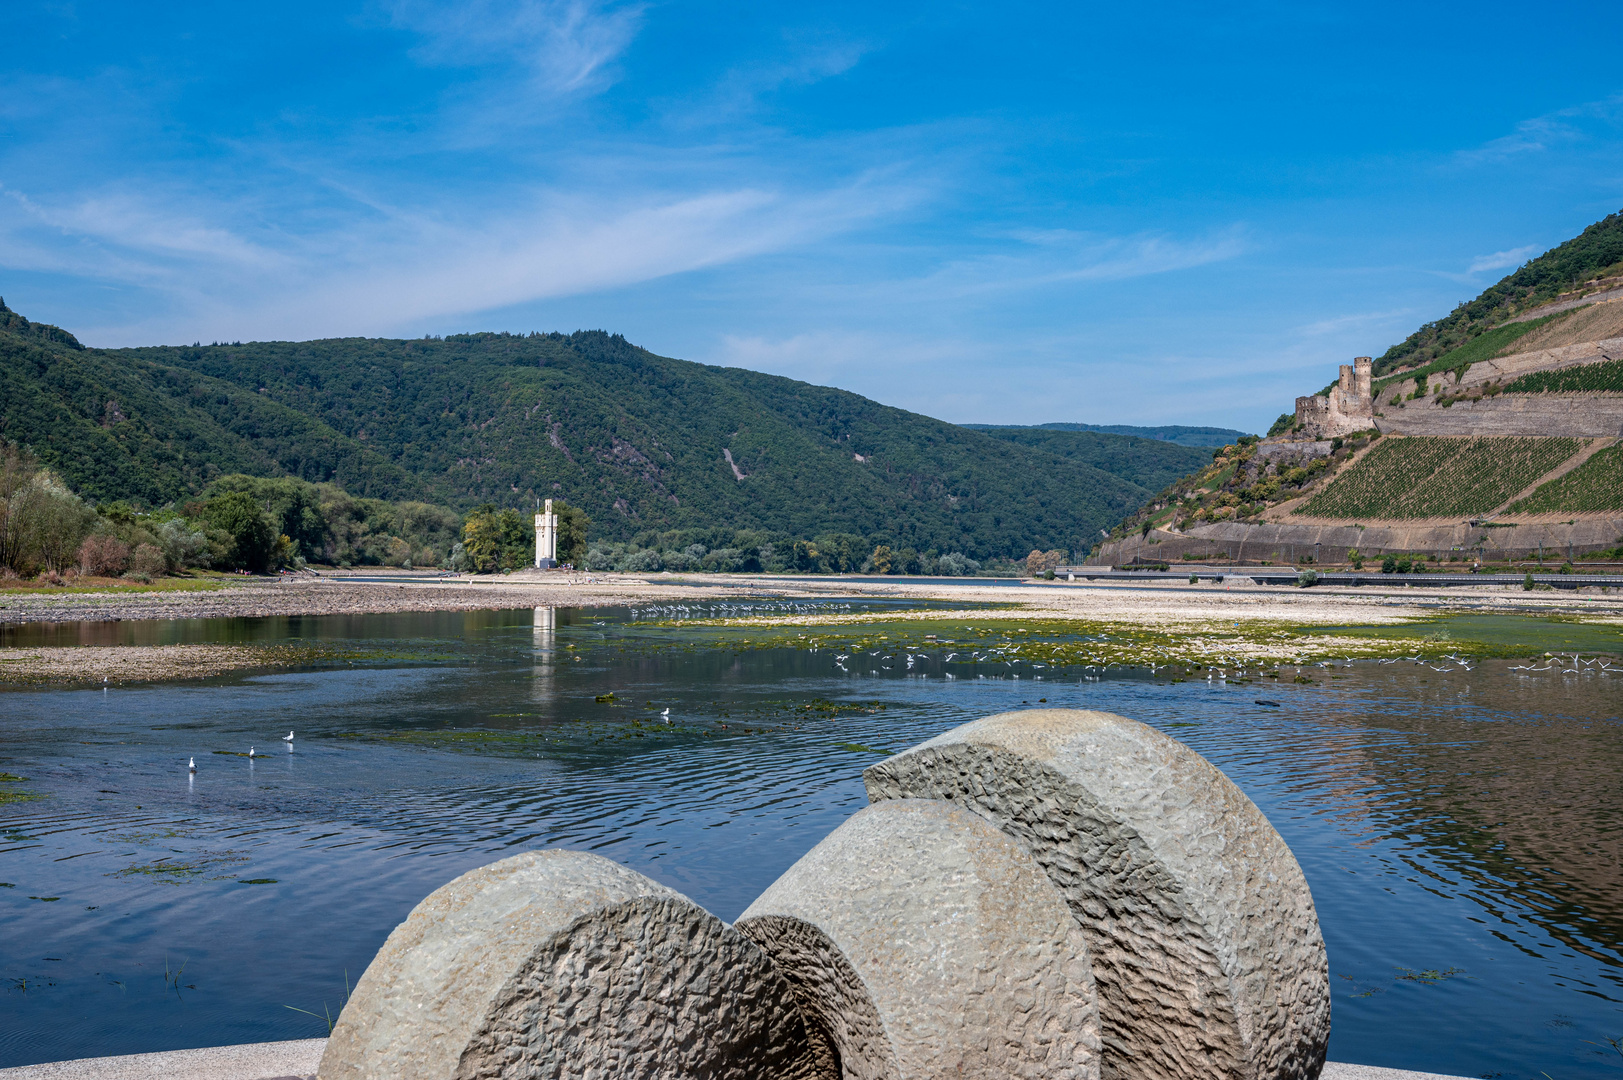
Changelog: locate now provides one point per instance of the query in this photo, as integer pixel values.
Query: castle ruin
(1349, 406)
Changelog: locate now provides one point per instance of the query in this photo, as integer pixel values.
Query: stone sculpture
(1205, 945)
(926, 943)
(1051, 893)
(563, 964)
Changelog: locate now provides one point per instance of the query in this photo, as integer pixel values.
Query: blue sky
(984, 212)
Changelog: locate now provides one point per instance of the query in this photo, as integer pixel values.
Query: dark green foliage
(1172, 433)
(1285, 422)
(635, 440)
(1605, 375)
(1594, 253)
(13, 323)
(248, 529)
(497, 539)
(325, 524)
(1150, 463)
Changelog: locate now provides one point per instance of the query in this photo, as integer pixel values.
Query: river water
(1460, 829)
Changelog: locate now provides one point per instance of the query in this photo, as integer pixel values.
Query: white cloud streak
(1502, 260)
(567, 45)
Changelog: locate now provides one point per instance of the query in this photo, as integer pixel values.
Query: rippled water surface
(1460, 828)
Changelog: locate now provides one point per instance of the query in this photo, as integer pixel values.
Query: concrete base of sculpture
(563, 964)
(927, 943)
(1204, 941)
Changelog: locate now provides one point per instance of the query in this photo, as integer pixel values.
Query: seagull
(666, 715)
(250, 752)
(288, 737)
(191, 764)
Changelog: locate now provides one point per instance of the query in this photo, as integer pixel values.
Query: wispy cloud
(567, 45)
(1057, 257)
(1362, 321)
(1542, 133)
(382, 274)
(1501, 260)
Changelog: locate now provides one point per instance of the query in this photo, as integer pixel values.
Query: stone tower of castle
(1348, 407)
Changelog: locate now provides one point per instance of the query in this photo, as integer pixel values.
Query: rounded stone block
(926, 943)
(1202, 932)
(563, 964)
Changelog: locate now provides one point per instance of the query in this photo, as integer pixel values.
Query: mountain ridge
(638, 440)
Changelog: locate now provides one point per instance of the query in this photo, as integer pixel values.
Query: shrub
(1527, 582)
(250, 537)
(956, 564)
(147, 559)
(1306, 579)
(182, 545)
(881, 561)
(103, 556)
(1389, 565)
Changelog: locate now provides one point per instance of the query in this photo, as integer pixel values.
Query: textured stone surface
(927, 943)
(1205, 944)
(559, 963)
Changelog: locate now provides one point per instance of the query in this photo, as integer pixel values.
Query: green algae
(982, 644)
(1496, 635)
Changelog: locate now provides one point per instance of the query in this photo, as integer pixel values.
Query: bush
(1389, 565)
(248, 534)
(183, 546)
(1527, 582)
(103, 556)
(1306, 579)
(956, 564)
(881, 561)
(147, 560)
(1285, 422)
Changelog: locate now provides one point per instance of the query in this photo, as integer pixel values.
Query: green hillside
(1208, 437)
(639, 441)
(1595, 253)
(1148, 462)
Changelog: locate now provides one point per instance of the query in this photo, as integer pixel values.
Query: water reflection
(1459, 830)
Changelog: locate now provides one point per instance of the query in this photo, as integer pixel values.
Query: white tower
(546, 538)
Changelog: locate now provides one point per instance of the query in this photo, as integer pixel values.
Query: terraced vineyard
(1606, 375)
(1426, 477)
(1594, 486)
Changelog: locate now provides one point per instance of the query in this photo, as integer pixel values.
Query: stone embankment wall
(1233, 541)
(1509, 414)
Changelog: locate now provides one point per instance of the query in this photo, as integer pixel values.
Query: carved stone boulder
(1202, 933)
(926, 943)
(563, 964)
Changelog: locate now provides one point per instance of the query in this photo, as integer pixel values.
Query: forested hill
(1150, 462)
(1209, 437)
(639, 441)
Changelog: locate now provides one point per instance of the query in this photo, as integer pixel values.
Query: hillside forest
(371, 451)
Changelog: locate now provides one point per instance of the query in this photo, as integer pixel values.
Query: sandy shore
(1164, 607)
(1149, 601)
(115, 665)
